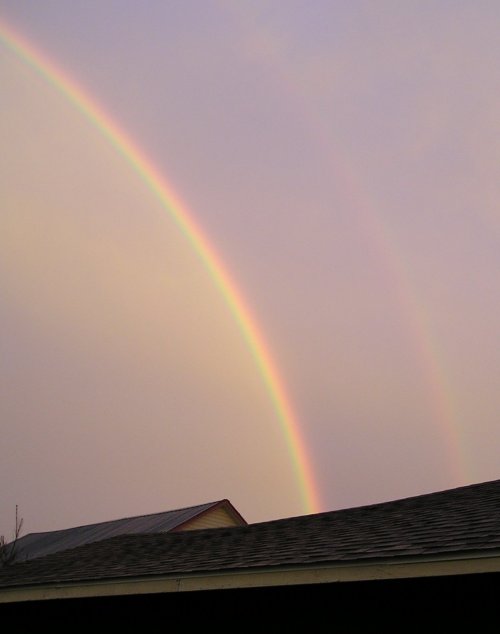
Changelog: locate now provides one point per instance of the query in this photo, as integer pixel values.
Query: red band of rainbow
(181, 215)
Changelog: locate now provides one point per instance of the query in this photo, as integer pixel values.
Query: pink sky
(342, 159)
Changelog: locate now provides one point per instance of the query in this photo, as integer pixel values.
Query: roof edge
(209, 505)
(225, 503)
(380, 570)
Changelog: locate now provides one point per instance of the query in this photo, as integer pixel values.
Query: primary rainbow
(179, 212)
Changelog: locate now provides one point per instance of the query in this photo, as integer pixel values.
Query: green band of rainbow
(192, 231)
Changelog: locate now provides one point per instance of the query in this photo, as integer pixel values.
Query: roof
(462, 522)
(39, 544)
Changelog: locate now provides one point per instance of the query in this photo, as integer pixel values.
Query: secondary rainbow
(410, 304)
(179, 212)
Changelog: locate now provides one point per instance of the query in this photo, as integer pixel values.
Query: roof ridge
(385, 502)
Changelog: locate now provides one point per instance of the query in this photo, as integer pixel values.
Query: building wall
(398, 605)
(215, 518)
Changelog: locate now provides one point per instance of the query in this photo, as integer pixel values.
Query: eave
(373, 570)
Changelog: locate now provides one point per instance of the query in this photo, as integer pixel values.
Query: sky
(340, 160)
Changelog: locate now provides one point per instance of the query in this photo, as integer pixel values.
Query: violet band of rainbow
(191, 229)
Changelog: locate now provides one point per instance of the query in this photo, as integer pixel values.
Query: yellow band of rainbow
(179, 212)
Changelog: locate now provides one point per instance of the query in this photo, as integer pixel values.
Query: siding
(211, 519)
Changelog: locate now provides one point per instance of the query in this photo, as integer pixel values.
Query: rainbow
(179, 212)
(412, 308)
(427, 351)
(416, 315)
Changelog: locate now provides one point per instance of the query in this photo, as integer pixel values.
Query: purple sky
(342, 158)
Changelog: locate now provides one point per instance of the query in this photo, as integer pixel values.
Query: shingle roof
(458, 521)
(39, 544)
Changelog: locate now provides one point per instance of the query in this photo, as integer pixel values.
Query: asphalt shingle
(464, 520)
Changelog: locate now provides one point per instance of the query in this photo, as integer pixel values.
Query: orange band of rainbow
(179, 212)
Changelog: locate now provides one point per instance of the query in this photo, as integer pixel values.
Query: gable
(218, 517)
